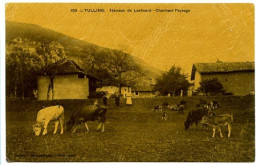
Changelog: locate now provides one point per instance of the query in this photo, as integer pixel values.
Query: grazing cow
(164, 116)
(217, 122)
(45, 115)
(214, 105)
(183, 102)
(173, 107)
(158, 108)
(165, 104)
(194, 116)
(180, 108)
(88, 113)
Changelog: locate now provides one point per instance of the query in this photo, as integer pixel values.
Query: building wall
(143, 94)
(197, 80)
(65, 87)
(125, 91)
(238, 83)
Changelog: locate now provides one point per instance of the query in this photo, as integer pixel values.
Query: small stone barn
(236, 77)
(71, 82)
(143, 92)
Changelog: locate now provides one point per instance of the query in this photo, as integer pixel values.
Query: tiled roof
(222, 67)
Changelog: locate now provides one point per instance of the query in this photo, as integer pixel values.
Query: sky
(207, 33)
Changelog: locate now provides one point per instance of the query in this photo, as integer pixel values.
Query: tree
(122, 68)
(50, 56)
(212, 86)
(172, 82)
(20, 66)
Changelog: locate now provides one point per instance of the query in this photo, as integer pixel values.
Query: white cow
(45, 115)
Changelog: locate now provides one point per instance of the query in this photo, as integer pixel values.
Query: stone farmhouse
(71, 82)
(237, 78)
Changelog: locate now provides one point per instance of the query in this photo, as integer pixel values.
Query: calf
(164, 116)
(88, 113)
(194, 116)
(217, 122)
(45, 115)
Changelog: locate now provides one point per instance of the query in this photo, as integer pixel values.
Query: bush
(211, 86)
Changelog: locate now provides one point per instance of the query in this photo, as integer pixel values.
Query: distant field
(133, 133)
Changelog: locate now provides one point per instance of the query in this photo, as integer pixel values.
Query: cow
(180, 108)
(88, 113)
(165, 104)
(194, 116)
(45, 115)
(217, 122)
(158, 108)
(214, 105)
(164, 116)
(183, 102)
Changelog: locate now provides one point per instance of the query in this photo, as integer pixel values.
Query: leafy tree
(172, 82)
(212, 86)
(50, 56)
(122, 68)
(20, 66)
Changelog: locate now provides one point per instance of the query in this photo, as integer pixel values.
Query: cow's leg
(103, 127)
(86, 125)
(214, 131)
(45, 127)
(56, 126)
(61, 124)
(74, 128)
(99, 126)
(229, 130)
(220, 133)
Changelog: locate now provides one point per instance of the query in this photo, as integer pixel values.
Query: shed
(70, 82)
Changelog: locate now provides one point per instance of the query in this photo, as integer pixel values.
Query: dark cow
(214, 105)
(158, 108)
(195, 116)
(165, 104)
(183, 102)
(88, 113)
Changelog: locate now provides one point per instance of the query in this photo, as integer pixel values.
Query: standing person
(129, 99)
(117, 100)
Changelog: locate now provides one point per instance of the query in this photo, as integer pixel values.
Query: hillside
(75, 49)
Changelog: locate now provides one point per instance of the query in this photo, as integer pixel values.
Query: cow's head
(69, 125)
(186, 125)
(37, 129)
(204, 120)
(102, 115)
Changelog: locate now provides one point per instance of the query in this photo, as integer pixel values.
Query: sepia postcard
(118, 82)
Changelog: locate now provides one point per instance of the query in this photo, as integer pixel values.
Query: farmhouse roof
(71, 67)
(142, 89)
(222, 67)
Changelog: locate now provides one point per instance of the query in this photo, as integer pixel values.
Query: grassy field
(133, 133)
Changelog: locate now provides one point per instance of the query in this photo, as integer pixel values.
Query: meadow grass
(132, 133)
